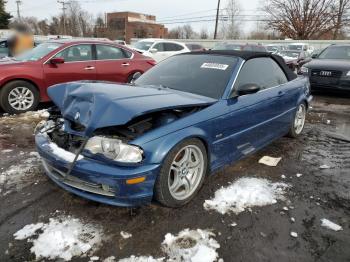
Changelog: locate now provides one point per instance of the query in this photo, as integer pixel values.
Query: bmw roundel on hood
(96, 105)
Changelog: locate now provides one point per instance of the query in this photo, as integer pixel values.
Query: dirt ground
(262, 234)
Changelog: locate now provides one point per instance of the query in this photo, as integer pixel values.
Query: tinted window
(105, 52)
(3, 44)
(264, 72)
(159, 47)
(335, 52)
(76, 53)
(172, 47)
(206, 75)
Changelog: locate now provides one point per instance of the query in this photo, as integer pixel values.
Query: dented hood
(97, 104)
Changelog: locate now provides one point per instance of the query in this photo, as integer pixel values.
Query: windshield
(228, 46)
(335, 52)
(206, 75)
(295, 47)
(38, 52)
(289, 54)
(143, 45)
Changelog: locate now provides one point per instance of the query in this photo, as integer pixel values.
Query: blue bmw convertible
(159, 138)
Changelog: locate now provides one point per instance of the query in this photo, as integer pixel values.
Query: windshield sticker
(215, 66)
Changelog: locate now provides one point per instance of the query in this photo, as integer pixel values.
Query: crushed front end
(62, 146)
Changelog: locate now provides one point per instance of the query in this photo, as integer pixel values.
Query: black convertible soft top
(247, 55)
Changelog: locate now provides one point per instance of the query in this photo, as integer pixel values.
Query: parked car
(308, 49)
(195, 47)
(185, 118)
(4, 51)
(25, 78)
(233, 46)
(275, 48)
(330, 69)
(294, 59)
(160, 49)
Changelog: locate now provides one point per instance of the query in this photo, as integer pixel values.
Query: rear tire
(18, 97)
(130, 77)
(298, 122)
(182, 173)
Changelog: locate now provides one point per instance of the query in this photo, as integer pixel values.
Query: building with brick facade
(127, 25)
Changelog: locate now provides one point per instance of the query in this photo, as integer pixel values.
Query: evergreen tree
(4, 16)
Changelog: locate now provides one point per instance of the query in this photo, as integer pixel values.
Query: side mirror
(135, 77)
(57, 60)
(153, 50)
(314, 55)
(248, 89)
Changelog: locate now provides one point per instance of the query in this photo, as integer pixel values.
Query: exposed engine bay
(132, 130)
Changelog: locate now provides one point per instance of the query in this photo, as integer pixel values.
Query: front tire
(298, 121)
(182, 173)
(18, 97)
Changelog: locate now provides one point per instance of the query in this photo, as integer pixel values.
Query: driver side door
(253, 119)
(79, 64)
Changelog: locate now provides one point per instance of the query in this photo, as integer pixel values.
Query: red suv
(25, 78)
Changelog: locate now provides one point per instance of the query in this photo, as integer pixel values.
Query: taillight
(151, 62)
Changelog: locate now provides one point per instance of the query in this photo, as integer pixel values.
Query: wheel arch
(157, 150)
(21, 79)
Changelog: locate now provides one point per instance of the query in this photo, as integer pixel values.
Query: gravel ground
(261, 233)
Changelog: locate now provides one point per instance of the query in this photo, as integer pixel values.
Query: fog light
(134, 181)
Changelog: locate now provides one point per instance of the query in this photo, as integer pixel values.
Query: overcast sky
(167, 11)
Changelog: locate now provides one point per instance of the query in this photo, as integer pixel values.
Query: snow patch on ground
(330, 225)
(138, 259)
(28, 117)
(61, 238)
(188, 245)
(19, 175)
(125, 235)
(246, 193)
(191, 245)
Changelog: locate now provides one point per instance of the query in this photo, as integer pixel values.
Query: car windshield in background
(227, 46)
(335, 52)
(295, 47)
(289, 54)
(272, 48)
(38, 52)
(206, 75)
(143, 45)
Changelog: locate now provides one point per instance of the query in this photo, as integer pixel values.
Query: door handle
(125, 64)
(89, 68)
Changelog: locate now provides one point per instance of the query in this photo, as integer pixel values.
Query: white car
(308, 49)
(160, 49)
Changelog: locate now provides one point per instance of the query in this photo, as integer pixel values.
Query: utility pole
(64, 8)
(217, 20)
(18, 3)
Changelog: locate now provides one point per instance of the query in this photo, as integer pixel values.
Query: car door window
(106, 52)
(172, 47)
(76, 53)
(159, 47)
(263, 72)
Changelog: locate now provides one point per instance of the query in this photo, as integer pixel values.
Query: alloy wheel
(21, 98)
(299, 120)
(186, 172)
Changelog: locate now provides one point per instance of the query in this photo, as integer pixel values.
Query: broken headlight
(114, 149)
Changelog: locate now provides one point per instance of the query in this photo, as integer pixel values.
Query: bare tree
(204, 34)
(230, 25)
(307, 19)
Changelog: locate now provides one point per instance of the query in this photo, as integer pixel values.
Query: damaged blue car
(159, 138)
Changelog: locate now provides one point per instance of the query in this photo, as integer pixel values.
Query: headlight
(348, 73)
(114, 149)
(304, 70)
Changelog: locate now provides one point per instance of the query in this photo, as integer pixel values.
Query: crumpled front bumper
(96, 180)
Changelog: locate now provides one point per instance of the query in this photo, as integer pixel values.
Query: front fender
(156, 150)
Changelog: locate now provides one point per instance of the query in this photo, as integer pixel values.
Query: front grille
(326, 73)
(75, 182)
